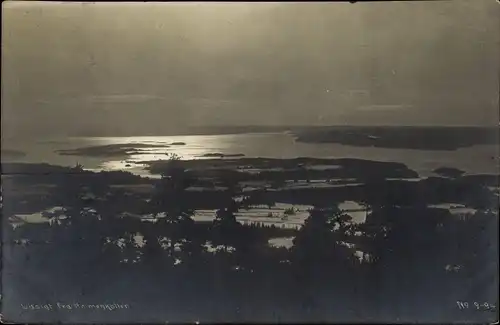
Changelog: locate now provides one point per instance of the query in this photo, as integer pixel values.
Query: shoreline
(356, 180)
(135, 154)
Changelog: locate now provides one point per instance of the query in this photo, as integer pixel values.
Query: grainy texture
(250, 162)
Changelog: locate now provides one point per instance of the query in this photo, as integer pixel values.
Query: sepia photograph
(239, 162)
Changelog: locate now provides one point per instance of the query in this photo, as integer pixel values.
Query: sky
(159, 68)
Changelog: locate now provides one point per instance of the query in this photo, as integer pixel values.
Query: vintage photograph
(277, 162)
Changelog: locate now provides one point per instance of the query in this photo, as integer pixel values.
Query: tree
(174, 230)
(407, 249)
(320, 243)
(320, 257)
(470, 241)
(225, 229)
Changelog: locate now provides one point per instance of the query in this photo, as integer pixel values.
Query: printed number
(479, 306)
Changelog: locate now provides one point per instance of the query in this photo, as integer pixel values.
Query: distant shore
(422, 138)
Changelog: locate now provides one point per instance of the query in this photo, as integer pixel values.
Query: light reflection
(269, 145)
(186, 147)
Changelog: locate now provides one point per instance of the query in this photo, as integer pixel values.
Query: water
(476, 159)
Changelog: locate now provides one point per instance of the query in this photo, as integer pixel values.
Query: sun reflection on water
(186, 147)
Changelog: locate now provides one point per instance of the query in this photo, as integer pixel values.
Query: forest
(409, 260)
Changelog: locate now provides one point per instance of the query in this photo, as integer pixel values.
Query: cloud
(124, 98)
(384, 108)
(211, 102)
(104, 99)
(43, 101)
(358, 92)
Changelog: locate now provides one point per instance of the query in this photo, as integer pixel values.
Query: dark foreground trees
(410, 258)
